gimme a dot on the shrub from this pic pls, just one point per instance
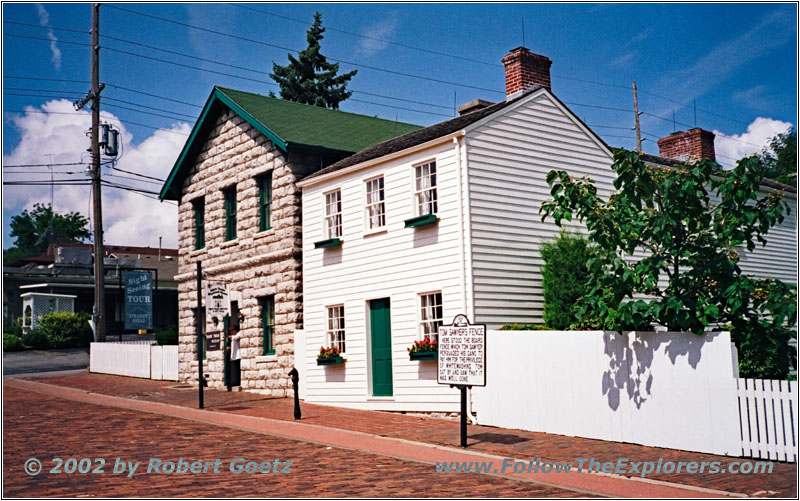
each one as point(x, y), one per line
point(526, 327)
point(67, 330)
point(13, 328)
point(36, 339)
point(564, 276)
point(12, 342)
point(168, 335)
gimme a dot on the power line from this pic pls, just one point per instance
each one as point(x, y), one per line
point(690, 126)
point(328, 28)
point(46, 27)
point(254, 71)
point(16, 77)
point(126, 122)
point(45, 165)
point(16, 35)
point(152, 95)
point(259, 42)
point(138, 174)
point(193, 117)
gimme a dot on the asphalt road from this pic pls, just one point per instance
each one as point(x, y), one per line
point(32, 361)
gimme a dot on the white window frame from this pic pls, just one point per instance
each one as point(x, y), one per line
point(428, 327)
point(332, 222)
point(335, 332)
point(426, 196)
point(379, 206)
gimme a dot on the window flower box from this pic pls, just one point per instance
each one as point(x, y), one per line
point(418, 221)
point(424, 350)
point(424, 355)
point(329, 356)
point(330, 361)
point(331, 242)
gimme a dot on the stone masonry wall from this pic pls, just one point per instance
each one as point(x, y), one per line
point(255, 264)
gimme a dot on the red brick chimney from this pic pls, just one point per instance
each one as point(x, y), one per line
point(693, 144)
point(524, 69)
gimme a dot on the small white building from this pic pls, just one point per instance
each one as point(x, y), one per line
point(408, 233)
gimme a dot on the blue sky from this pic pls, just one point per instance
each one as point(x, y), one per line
point(735, 64)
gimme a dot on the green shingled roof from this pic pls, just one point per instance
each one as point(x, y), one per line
point(288, 124)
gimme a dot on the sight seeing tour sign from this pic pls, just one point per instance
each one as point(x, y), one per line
point(462, 360)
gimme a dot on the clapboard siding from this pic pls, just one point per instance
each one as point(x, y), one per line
point(778, 259)
point(398, 263)
point(508, 159)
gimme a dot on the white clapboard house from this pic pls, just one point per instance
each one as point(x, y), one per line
point(410, 232)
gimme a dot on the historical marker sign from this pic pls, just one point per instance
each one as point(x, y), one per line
point(462, 353)
point(138, 300)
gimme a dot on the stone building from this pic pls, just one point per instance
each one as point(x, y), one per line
point(239, 216)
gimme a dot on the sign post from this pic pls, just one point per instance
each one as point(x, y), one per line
point(462, 360)
point(199, 333)
point(138, 300)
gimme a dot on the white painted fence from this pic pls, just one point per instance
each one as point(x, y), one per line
point(768, 415)
point(135, 359)
point(663, 389)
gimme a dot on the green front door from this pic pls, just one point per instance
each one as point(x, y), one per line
point(381, 331)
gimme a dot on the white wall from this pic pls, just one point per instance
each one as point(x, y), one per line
point(508, 159)
point(398, 263)
point(663, 389)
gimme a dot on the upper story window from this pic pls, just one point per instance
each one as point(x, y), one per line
point(430, 315)
point(425, 189)
point(376, 207)
point(199, 209)
point(264, 201)
point(336, 327)
point(230, 212)
point(333, 214)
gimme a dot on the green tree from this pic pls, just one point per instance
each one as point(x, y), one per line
point(668, 217)
point(34, 230)
point(779, 159)
point(310, 78)
point(564, 276)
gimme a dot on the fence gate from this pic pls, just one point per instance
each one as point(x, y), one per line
point(768, 418)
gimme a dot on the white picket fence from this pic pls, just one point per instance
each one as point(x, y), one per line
point(768, 417)
point(135, 359)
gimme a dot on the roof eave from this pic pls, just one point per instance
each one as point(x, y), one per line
point(374, 161)
point(169, 191)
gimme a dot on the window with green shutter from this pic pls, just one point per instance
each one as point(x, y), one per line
point(268, 324)
point(199, 207)
point(265, 201)
point(230, 213)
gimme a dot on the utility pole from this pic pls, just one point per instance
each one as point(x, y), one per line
point(97, 209)
point(636, 114)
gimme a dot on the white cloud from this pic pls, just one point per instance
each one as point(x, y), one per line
point(44, 18)
point(377, 34)
point(128, 218)
point(730, 148)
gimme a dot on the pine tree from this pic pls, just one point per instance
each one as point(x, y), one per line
point(310, 78)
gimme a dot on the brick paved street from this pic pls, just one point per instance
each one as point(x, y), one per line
point(41, 426)
point(508, 443)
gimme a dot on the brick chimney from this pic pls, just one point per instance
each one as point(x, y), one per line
point(693, 144)
point(524, 69)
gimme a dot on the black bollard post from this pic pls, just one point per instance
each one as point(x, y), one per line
point(463, 415)
point(296, 383)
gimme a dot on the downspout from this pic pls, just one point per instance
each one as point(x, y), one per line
point(461, 252)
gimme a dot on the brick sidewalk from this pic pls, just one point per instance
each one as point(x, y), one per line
point(508, 443)
point(42, 426)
